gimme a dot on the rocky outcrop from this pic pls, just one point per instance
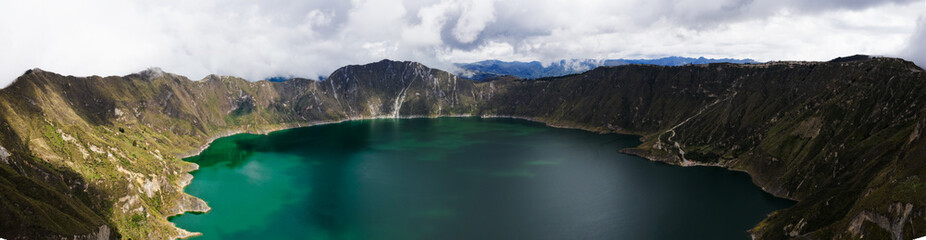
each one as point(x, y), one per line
point(188, 203)
point(102, 233)
point(893, 223)
point(4, 155)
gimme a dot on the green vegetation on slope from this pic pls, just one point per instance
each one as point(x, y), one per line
point(843, 138)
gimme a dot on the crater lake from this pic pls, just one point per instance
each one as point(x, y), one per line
point(460, 178)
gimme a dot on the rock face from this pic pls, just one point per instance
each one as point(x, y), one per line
point(4, 154)
point(844, 137)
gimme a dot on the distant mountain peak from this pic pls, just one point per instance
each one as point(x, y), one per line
point(489, 69)
point(33, 70)
point(152, 73)
point(853, 58)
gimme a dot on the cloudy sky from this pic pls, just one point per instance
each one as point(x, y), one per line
point(260, 39)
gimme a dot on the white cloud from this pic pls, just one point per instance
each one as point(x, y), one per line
point(427, 31)
point(916, 50)
point(259, 39)
point(473, 19)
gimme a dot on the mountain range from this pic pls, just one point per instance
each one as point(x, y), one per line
point(493, 69)
point(100, 157)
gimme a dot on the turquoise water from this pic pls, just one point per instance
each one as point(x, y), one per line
point(460, 178)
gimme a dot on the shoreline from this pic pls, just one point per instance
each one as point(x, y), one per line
point(180, 203)
point(187, 234)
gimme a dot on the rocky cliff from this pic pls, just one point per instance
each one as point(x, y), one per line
point(98, 156)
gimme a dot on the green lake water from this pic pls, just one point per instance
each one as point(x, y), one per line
point(460, 178)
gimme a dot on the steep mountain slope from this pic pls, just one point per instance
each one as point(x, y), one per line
point(489, 69)
point(841, 137)
point(98, 156)
point(88, 155)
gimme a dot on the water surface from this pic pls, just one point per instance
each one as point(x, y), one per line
point(460, 178)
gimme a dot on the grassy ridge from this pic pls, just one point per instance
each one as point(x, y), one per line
point(844, 138)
